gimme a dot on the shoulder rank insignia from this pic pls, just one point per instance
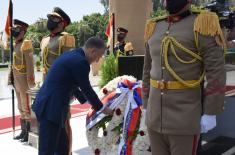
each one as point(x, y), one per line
point(150, 27)
point(67, 40)
point(207, 23)
point(26, 45)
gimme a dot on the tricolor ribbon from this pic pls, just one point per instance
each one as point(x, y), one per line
point(111, 101)
point(131, 118)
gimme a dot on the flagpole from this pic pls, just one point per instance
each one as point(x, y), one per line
point(113, 31)
point(11, 56)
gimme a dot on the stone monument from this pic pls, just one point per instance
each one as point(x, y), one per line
point(132, 15)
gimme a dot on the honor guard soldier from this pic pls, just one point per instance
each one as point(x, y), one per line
point(181, 49)
point(54, 45)
point(122, 47)
point(23, 75)
point(58, 41)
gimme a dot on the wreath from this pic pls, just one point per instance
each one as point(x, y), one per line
point(125, 132)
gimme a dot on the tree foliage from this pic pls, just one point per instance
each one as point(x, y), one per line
point(36, 32)
point(91, 25)
point(156, 4)
point(109, 70)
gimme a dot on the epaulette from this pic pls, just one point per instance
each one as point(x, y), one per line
point(150, 27)
point(128, 46)
point(26, 45)
point(207, 23)
point(67, 40)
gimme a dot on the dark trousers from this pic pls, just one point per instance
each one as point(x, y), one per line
point(53, 139)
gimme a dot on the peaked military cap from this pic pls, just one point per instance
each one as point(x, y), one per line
point(122, 30)
point(20, 23)
point(60, 13)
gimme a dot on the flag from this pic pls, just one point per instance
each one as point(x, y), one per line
point(109, 29)
point(8, 25)
point(9, 19)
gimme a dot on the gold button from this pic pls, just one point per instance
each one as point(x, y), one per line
point(163, 68)
point(162, 93)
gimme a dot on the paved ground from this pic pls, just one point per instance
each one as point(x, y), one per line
point(8, 146)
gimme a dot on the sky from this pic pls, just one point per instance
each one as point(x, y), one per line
point(31, 10)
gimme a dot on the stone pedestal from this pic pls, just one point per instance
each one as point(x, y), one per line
point(131, 65)
point(132, 15)
point(33, 134)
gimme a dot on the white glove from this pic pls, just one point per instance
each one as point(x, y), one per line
point(208, 122)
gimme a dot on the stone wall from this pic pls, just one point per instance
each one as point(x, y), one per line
point(132, 15)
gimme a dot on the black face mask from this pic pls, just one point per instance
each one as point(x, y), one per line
point(15, 33)
point(51, 25)
point(173, 7)
point(121, 37)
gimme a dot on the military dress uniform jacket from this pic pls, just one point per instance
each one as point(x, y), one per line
point(68, 76)
point(123, 49)
point(178, 110)
point(53, 47)
point(23, 66)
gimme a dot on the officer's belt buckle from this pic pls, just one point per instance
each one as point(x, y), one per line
point(162, 85)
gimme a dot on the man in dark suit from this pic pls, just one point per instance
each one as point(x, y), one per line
point(68, 76)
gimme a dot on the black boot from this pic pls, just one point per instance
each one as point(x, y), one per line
point(23, 130)
point(26, 136)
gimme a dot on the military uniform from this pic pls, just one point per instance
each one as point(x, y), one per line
point(122, 47)
point(23, 72)
point(52, 47)
point(180, 52)
point(23, 75)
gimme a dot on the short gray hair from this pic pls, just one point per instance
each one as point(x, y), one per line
point(95, 42)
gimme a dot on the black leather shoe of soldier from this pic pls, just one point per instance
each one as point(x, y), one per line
point(21, 135)
point(23, 130)
point(26, 135)
point(25, 138)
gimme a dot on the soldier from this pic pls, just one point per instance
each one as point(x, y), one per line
point(54, 45)
point(58, 41)
point(122, 47)
point(181, 49)
point(23, 75)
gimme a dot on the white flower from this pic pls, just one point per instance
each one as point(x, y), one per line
point(108, 144)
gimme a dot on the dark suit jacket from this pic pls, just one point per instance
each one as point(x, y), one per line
point(68, 76)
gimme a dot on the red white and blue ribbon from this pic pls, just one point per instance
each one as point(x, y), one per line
point(131, 117)
point(111, 101)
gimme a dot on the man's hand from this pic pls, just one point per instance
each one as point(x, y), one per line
point(107, 111)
